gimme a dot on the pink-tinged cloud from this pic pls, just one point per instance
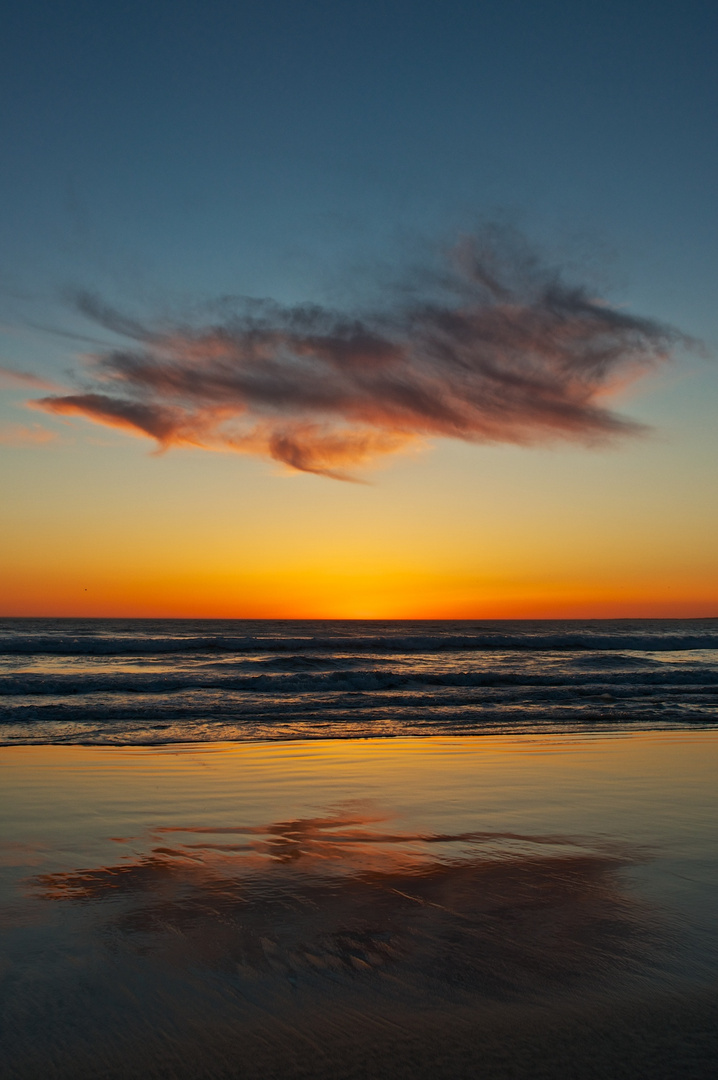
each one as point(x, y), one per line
point(12, 378)
point(21, 435)
point(502, 351)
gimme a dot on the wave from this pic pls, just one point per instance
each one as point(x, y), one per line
point(58, 723)
point(367, 680)
point(142, 645)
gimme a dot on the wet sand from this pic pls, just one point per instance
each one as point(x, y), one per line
point(476, 907)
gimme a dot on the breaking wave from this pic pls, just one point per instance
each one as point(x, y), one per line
point(124, 681)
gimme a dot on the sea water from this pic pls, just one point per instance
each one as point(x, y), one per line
point(169, 680)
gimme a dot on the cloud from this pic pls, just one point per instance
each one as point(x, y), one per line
point(21, 435)
point(10, 377)
point(494, 347)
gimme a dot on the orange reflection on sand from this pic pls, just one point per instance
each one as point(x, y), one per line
point(482, 913)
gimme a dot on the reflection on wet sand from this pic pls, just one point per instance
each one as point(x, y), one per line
point(337, 946)
point(367, 939)
point(327, 899)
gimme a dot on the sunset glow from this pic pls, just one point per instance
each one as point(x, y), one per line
point(453, 362)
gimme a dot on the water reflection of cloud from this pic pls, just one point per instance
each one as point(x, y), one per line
point(21, 853)
point(336, 898)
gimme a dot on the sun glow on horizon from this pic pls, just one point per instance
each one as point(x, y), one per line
point(351, 595)
point(456, 533)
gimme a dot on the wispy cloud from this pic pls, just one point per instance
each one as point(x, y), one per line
point(21, 435)
point(11, 377)
point(497, 347)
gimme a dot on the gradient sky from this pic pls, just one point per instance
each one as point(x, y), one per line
point(160, 157)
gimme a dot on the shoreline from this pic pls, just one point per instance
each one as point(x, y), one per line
point(518, 730)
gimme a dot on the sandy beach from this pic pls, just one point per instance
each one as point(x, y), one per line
point(486, 906)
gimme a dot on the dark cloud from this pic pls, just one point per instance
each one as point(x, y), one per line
point(497, 348)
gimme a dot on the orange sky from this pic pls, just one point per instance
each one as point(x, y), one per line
point(96, 525)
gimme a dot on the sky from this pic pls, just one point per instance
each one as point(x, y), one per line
point(379, 310)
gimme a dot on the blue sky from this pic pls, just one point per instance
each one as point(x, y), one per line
point(166, 154)
point(267, 148)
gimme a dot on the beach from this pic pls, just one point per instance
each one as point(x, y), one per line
point(358, 562)
point(490, 905)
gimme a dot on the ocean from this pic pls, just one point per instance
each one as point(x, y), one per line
point(175, 680)
point(215, 864)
